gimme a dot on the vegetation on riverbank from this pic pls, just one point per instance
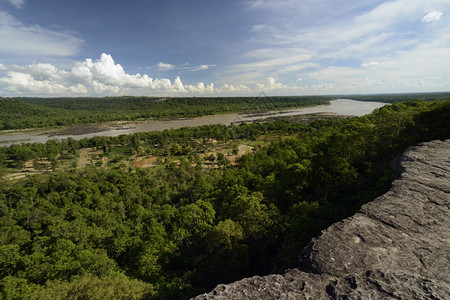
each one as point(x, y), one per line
point(19, 113)
point(177, 229)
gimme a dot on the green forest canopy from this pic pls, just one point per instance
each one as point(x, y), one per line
point(178, 230)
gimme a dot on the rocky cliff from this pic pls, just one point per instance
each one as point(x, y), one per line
point(395, 247)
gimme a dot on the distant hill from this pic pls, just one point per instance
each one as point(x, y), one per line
point(391, 98)
point(15, 113)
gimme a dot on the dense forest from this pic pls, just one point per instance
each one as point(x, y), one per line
point(20, 113)
point(112, 230)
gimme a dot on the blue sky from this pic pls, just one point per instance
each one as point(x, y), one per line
point(222, 48)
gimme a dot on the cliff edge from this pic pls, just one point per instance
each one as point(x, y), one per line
point(395, 247)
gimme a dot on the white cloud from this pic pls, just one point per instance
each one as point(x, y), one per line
point(96, 78)
point(370, 64)
point(271, 4)
point(272, 64)
point(200, 88)
point(103, 89)
point(81, 73)
point(432, 16)
point(99, 77)
point(106, 71)
point(271, 84)
point(164, 66)
point(229, 88)
point(42, 71)
point(387, 26)
point(354, 45)
point(178, 84)
point(183, 67)
point(362, 46)
point(21, 39)
point(201, 68)
point(17, 3)
point(26, 83)
point(423, 69)
point(258, 27)
point(104, 76)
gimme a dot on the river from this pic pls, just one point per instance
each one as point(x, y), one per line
point(340, 106)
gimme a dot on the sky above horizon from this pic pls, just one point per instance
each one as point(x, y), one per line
point(223, 48)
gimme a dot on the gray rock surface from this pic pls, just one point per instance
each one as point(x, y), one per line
point(395, 247)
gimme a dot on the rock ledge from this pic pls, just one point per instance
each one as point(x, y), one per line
point(395, 247)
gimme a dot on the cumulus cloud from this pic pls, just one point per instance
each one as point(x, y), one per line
point(18, 38)
point(178, 85)
point(200, 88)
point(432, 16)
point(108, 73)
point(95, 78)
point(103, 76)
point(99, 77)
point(25, 83)
point(229, 88)
point(271, 84)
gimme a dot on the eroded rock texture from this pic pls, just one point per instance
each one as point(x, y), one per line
point(395, 247)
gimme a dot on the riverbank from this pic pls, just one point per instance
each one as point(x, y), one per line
point(346, 107)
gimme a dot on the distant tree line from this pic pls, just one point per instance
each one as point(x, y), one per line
point(398, 97)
